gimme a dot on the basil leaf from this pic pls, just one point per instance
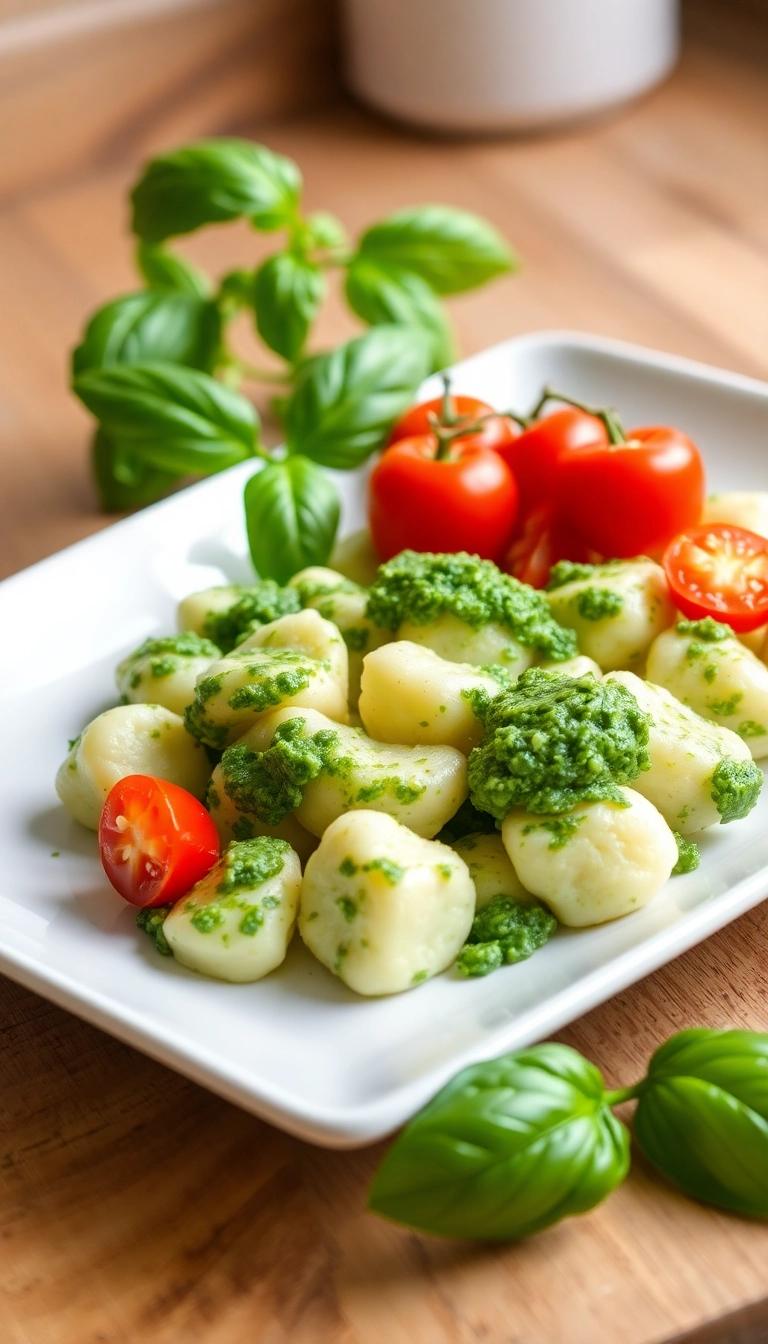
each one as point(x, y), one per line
point(165, 270)
point(176, 419)
point(380, 293)
point(291, 514)
point(122, 479)
point(702, 1117)
point(287, 293)
point(451, 249)
point(212, 181)
point(152, 325)
point(236, 290)
point(345, 401)
point(324, 230)
point(508, 1148)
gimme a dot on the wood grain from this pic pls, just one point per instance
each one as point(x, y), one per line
point(136, 1206)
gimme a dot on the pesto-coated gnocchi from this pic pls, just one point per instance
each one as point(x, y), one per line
point(295, 660)
point(410, 694)
point(195, 611)
point(330, 768)
point(686, 753)
point(597, 862)
point(343, 602)
point(616, 609)
point(458, 642)
point(232, 824)
point(382, 908)
point(703, 665)
point(165, 671)
point(237, 922)
point(128, 740)
point(574, 667)
point(490, 868)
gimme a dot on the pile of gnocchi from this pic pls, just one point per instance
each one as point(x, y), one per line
point(419, 764)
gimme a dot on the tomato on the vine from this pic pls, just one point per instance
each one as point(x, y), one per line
point(451, 496)
point(721, 571)
point(155, 839)
point(536, 454)
point(453, 412)
point(632, 495)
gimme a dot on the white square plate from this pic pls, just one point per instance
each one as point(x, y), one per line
point(298, 1048)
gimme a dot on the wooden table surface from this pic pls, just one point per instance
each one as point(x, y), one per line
point(137, 1206)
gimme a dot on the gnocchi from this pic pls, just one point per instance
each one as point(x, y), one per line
point(232, 824)
point(382, 908)
point(339, 600)
point(410, 694)
point(165, 671)
point(616, 610)
point(490, 868)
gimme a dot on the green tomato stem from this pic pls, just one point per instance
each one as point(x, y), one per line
point(608, 416)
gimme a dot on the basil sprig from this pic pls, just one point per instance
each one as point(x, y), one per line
point(513, 1145)
point(292, 512)
point(146, 361)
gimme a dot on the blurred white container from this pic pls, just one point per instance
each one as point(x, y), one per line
point(495, 65)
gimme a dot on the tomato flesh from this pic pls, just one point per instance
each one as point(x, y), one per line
point(540, 541)
point(467, 502)
point(720, 571)
point(155, 839)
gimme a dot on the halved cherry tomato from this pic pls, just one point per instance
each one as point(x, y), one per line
point(535, 454)
point(156, 840)
point(631, 498)
point(542, 540)
point(466, 501)
point(496, 432)
point(720, 571)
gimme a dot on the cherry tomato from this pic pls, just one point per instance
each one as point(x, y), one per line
point(156, 840)
point(495, 433)
point(631, 498)
point(542, 540)
point(535, 454)
point(721, 571)
point(466, 502)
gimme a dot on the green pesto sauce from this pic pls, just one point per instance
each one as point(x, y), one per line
point(445, 871)
point(398, 788)
point(688, 856)
point(562, 829)
point(599, 604)
point(270, 784)
point(421, 587)
point(711, 632)
point(505, 930)
point(736, 787)
point(264, 602)
point(466, 821)
point(249, 863)
point(356, 638)
point(348, 867)
point(553, 741)
point(391, 872)
point(243, 829)
point(151, 920)
point(749, 728)
point(419, 977)
point(348, 907)
point(212, 798)
point(275, 679)
point(710, 671)
point(725, 708)
point(310, 589)
point(166, 654)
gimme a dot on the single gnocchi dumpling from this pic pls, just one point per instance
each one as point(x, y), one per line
point(300, 760)
point(355, 557)
point(410, 694)
point(237, 922)
point(382, 908)
point(232, 824)
point(295, 660)
point(165, 671)
point(700, 773)
point(490, 868)
point(702, 664)
point(597, 862)
point(343, 602)
point(128, 740)
point(195, 611)
point(458, 642)
point(616, 609)
point(740, 508)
